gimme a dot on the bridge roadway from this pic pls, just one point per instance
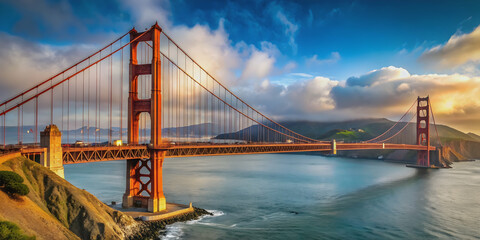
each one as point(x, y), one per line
point(72, 155)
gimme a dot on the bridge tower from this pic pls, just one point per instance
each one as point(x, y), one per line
point(51, 141)
point(141, 183)
point(423, 130)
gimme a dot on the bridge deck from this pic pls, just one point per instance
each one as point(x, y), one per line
point(72, 155)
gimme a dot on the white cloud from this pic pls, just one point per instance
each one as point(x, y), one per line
point(146, 12)
point(211, 49)
point(458, 50)
point(303, 75)
point(26, 63)
point(389, 90)
point(378, 76)
point(297, 100)
point(385, 92)
point(258, 66)
point(314, 61)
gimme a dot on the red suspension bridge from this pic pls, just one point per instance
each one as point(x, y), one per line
point(170, 107)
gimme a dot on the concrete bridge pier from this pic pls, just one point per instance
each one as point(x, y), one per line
point(51, 141)
point(436, 157)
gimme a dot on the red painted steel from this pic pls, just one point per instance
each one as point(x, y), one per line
point(153, 106)
point(207, 101)
point(423, 130)
point(72, 155)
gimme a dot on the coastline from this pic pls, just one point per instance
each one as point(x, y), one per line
point(156, 229)
point(68, 212)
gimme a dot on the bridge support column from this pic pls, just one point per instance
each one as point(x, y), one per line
point(51, 139)
point(334, 147)
point(145, 189)
point(157, 201)
point(145, 177)
point(423, 130)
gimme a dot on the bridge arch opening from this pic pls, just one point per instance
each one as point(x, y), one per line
point(422, 139)
point(144, 126)
point(422, 113)
point(423, 124)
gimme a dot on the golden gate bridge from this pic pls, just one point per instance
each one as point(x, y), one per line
point(171, 107)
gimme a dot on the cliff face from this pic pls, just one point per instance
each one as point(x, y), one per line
point(55, 209)
point(453, 150)
point(460, 150)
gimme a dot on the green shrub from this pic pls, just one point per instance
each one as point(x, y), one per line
point(16, 188)
point(9, 230)
point(12, 183)
point(9, 177)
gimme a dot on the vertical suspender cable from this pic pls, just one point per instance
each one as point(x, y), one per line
point(96, 103)
point(36, 119)
point(170, 93)
point(21, 122)
point(21, 129)
point(99, 129)
point(83, 107)
point(51, 103)
point(63, 103)
point(187, 111)
point(68, 111)
point(178, 100)
point(4, 127)
point(121, 93)
point(88, 104)
point(75, 117)
point(18, 125)
point(111, 100)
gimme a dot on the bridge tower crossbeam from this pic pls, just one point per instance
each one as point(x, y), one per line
point(138, 184)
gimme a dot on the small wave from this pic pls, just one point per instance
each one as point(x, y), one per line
point(216, 213)
point(173, 231)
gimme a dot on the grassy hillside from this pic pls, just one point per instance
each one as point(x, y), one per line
point(353, 130)
point(55, 209)
point(474, 136)
point(458, 145)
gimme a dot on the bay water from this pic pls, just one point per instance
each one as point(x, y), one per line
point(300, 196)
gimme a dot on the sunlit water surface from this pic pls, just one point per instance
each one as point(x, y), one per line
point(293, 196)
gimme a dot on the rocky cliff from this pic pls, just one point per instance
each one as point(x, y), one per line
point(55, 209)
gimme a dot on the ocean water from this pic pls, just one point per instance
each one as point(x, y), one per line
point(297, 196)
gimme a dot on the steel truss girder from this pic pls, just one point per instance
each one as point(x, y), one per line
point(109, 153)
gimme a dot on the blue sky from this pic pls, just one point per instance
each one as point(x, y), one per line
point(296, 52)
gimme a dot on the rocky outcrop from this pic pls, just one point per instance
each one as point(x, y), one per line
point(55, 209)
point(151, 230)
point(461, 150)
point(76, 210)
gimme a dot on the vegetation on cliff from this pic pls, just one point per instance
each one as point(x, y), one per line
point(9, 230)
point(12, 184)
point(458, 145)
point(55, 209)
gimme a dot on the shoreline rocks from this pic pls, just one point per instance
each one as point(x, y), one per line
point(152, 229)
